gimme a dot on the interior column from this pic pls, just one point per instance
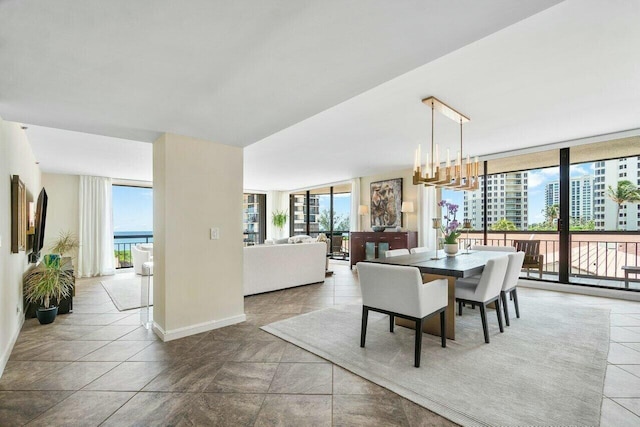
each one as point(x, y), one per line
point(197, 227)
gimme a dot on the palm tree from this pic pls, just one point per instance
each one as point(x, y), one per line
point(626, 192)
point(551, 213)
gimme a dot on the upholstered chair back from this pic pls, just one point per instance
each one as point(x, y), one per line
point(400, 289)
point(396, 252)
point(420, 250)
point(513, 271)
point(490, 283)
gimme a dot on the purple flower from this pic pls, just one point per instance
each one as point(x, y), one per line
point(441, 203)
point(453, 225)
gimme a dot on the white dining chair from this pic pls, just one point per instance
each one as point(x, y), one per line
point(399, 291)
point(419, 250)
point(396, 252)
point(484, 291)
point(511, 282)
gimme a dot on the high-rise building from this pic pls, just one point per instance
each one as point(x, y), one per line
point(507, 199)
point(580, 197)
point(607, 174)
point(298, 207)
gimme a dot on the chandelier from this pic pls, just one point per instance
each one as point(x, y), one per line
point(451, 177)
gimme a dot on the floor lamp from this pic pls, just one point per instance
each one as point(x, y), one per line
point(362, 211)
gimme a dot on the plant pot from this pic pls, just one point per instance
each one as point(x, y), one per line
point(46, 315)
point(451, 249)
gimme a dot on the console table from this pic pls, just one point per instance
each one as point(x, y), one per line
point(366, 245)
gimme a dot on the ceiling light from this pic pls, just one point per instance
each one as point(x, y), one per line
point(451, 177)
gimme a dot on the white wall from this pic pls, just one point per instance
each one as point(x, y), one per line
point(197, 281)
point(409, 194)
point(16, 158)
point(62, 209)
point(277, 201)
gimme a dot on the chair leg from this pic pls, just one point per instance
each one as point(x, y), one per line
point(418, 342)
point(443, 327)
point(503, 296)
point(483, 316)
point(391, 322)
point(459, 308)
point(499, 313)
point(363, 327)
point(514, 292)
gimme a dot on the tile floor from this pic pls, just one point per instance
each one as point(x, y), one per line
point(96, 366)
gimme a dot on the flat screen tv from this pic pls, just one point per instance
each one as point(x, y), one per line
point(41, 219)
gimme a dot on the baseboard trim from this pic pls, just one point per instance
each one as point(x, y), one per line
point(175, 334)
point(4, 358)
point(581, 290)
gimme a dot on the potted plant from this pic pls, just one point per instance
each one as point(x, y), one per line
point(45, 285)
point(450, 229)
point(279, 219)
point(67, 243)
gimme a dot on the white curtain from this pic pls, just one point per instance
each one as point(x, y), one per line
point(426, 211)
point(355, 204)
point(95, 257)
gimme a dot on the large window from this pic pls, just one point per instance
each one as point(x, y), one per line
point(582, 204)
point(323, 210)
point(254, 218)
point(132, 220)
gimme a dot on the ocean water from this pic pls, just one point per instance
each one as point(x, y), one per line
point(123, 238)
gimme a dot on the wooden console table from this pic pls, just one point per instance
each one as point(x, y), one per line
point(378, 242)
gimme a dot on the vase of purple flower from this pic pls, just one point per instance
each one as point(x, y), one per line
point(450, 227)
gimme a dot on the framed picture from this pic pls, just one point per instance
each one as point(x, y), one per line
point(385, 203)
point(18, 215)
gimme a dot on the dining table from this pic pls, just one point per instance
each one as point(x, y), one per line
point(441, 266)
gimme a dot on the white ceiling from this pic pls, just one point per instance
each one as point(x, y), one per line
point(313, 82)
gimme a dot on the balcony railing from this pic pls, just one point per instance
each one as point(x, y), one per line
point(122, 247)
point(595, 255)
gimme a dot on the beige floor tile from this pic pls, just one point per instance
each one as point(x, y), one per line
point(302, 378)
point(19, 407)
point(615, 415)
point(83, 408)
point(620, 383)
point(236, 377)
point(621, 354)
point(294, 411)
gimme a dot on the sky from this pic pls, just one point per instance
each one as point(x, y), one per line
point(341, 204)
point(132, 209)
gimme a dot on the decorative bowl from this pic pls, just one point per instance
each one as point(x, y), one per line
point(377, 228)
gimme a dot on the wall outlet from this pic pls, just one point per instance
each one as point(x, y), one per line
point(215, 233)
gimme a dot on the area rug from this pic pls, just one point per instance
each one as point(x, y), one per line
point(126, 293)
point(547, 368)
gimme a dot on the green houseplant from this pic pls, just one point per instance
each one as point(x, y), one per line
point(279, 219)
point(67, 243)
point(45, 285)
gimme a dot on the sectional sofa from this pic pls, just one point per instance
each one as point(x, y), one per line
point(272, 267)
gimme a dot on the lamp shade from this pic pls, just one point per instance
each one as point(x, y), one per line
point(363, 210)
point(407, 207)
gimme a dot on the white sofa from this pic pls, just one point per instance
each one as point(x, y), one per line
point(272, 267)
